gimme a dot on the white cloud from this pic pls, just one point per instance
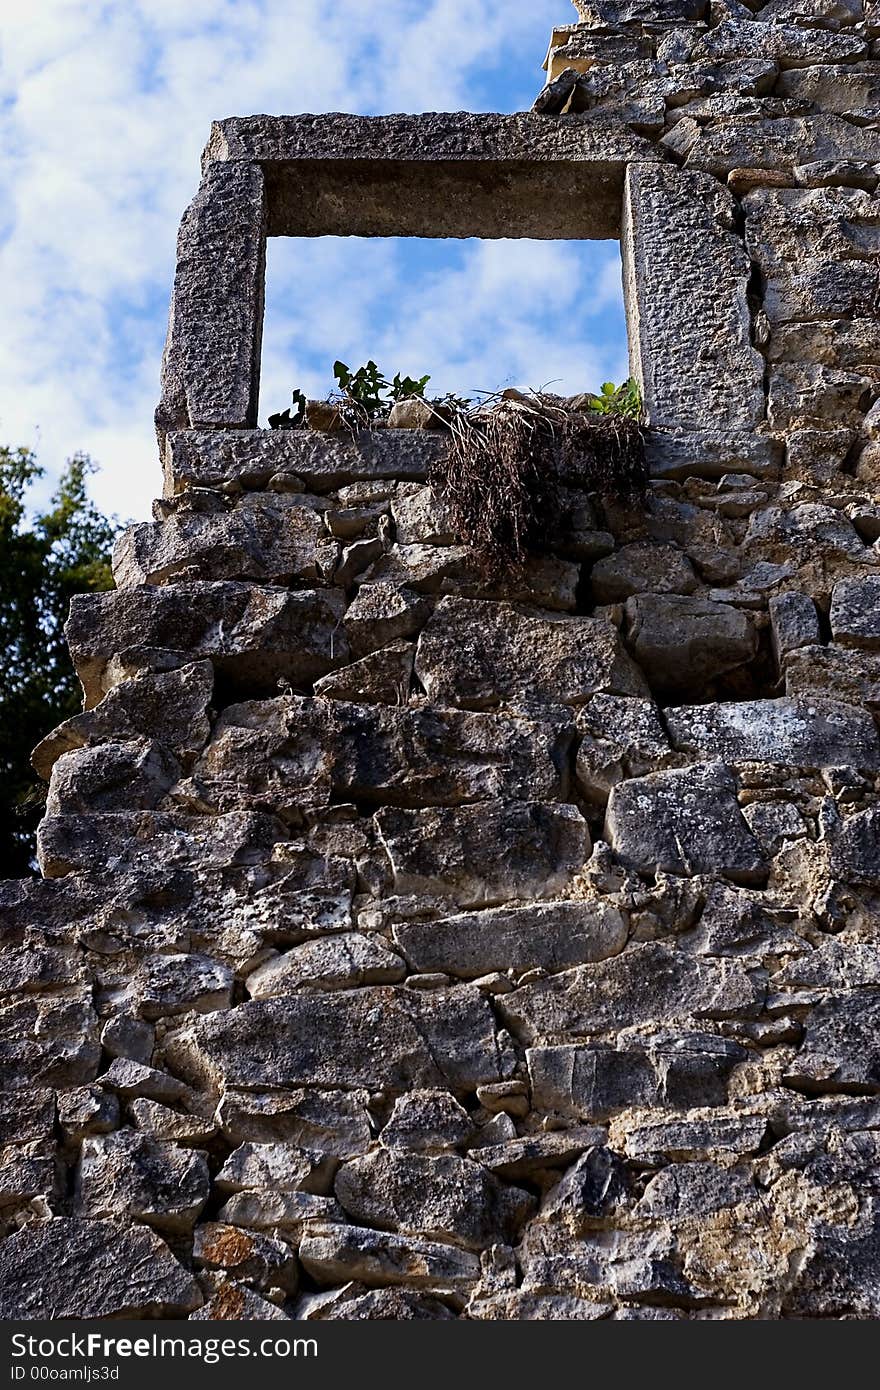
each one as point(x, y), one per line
point(476, 315)
point(104, 109)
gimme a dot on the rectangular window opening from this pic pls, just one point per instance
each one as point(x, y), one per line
point(476, 315)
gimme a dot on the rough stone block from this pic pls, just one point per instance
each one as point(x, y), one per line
point(552, 936)
point(834, 673)
point(91, 1269)
point(436, 1197)
point(710, 454)
point(269, 544)
point(595, 1082)
point(485, 854)
point(375, 1258)
point(251, 634)
point(312, 1039)
point(343, 961)
point(685, 821)
point(542, 580)
point(806, 733)
point(855, 613)
point(291, 753)
point(738, 142)
point(685, 278)
point(649, 983)
point(170, 706)
point(856, 854)
point(211, 366)
point(682, 641)
point(642, 567)
point(794, 623)
point(127, 1174)
point(477, 655)
point(840, 1051)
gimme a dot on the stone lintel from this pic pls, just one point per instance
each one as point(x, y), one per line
point(448, 174)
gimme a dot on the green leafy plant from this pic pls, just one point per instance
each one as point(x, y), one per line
point(625, 400)
point(45, 558)
point(294, 417)
point(363, 395)
point(404, 387)
point(369, 389)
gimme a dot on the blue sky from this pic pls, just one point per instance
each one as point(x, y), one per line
point(104, 108)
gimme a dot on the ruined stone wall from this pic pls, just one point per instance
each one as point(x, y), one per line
point(411, 945)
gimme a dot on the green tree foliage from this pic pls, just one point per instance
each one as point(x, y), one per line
point(44, 560)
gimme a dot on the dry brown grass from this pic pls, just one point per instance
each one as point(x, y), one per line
point(509, 465)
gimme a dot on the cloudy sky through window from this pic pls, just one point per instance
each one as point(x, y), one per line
point(104, 108)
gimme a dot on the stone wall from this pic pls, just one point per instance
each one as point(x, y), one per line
point(415, 945)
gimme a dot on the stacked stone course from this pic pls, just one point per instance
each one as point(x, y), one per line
point(413, 944)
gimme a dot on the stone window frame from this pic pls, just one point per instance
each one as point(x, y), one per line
point(685, 266)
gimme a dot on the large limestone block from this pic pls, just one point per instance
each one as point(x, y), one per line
point(297, 460)
point(855, 613)
point(552, 936)
point(251, 633)
point(807, 733)
point(682, 641)
point(593, 1082)
point(130, 1175)
point(490, 853)
point(290, 753)
point(91, 1269)
point(382, 1038)
point(438, 1197)
point(649, 983)
point(741, 142)
point(841, 1047)
point(271, 545)
point(211, 365)
point(542, 580)
point(684, 821)
point(834, 673)
point(340, 1253)
point(685, 277)
point(170, 706)
point(478, 654)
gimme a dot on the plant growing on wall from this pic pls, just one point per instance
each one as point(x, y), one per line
point(507, 467)
point(363, 396)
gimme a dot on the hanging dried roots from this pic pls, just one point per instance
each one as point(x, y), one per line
point(509, 469)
